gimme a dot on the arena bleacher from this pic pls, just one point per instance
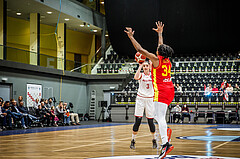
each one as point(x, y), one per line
point(192, 73)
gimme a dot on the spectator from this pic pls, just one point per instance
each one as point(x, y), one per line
point(16, 112)
point(66, 115)
point(20, 99)
point(207, 93)
point(224, 83)
point(28, 118)
point(221, 93)
point(24, 112)
point(47, 104)
point(229, 90)
point(36, 104)
point(185, 113)
point(215, 89)
point(6, 109)
point(208, 90)
point(74, 117)
point(53, 114)
point(60, 111)
point(43, 114)
point(236, 88)
point(3, 115)
point(177, 113)
point(179, 88)
point(42, 100)
point(214, 93)
point(50, 102)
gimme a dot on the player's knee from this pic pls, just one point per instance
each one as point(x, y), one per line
point(151, 125)
point(137, 123)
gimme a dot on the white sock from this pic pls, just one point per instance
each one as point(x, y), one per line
point(133, 136)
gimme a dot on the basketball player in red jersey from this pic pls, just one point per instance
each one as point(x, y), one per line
point(162, 84)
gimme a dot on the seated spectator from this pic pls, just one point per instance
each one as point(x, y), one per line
point(47, 104)
point(177, 113)
point(74, 117)
point(66, 115)
point(42, 100)
point(60, 111)
point(16, 112)
point(3, 115)
point(53, 114)
point(50, 102)
point(28, 118)
point(43, 114)
point(185, 113)
point(236, 88)
point(229, 90)
point(36, 103)
point(20, 99)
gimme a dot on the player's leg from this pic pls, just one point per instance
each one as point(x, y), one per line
point(139, 108)
point(150, 116)
point(161, 109)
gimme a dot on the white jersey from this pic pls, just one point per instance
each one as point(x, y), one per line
point(145, 86)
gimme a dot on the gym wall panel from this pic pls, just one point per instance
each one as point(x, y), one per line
point(72, 91)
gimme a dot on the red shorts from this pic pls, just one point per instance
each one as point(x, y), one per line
point(164, 95)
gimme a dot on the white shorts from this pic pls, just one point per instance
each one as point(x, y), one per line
point(144, 103)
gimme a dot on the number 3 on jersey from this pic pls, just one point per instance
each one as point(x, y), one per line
point(166, 70)
point(147, 86)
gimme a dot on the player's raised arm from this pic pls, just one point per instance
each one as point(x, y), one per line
point(139, 48)
point(159, 30)
point(137, 75)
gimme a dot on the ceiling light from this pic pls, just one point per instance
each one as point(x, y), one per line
point(106, 35)
point(102, 2)
point(49, 12)
point(66, 19)
point(94, 30)
point(82, 25)
point(19, 13)
point(88, 25)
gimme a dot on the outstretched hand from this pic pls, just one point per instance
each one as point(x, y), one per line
point(159, 28)
point(129, 32)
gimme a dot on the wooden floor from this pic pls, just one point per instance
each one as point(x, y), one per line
point(112, 141)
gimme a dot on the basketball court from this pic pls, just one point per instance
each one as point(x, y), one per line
point(112, 140)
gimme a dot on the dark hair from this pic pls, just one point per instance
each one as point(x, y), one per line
point(6, 103)
point(165, 51)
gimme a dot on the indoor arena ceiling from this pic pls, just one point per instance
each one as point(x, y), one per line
point(25, 7)
point(191, 27)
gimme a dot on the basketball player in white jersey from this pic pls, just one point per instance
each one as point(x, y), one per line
point(144, 100)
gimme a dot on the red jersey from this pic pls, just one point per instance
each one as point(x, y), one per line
point(162, 83)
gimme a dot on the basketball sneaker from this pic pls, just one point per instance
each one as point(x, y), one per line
point(154, 144)
point(169, 133)
point(132, 146)
point(166, 148)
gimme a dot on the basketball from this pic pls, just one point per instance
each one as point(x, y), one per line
point(140, 58)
